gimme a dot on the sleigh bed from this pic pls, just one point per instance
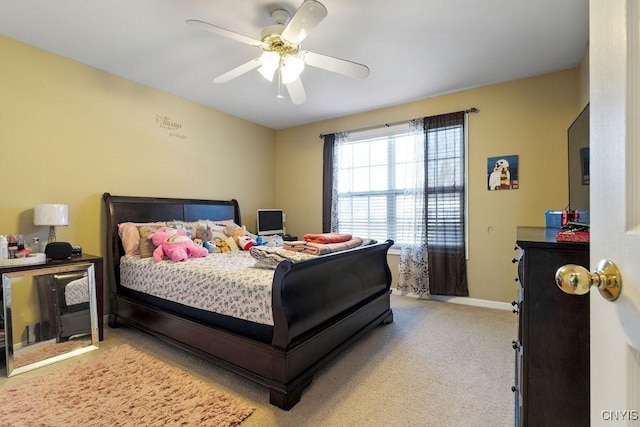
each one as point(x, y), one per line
point(318, 306)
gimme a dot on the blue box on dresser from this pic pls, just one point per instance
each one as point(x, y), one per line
point(553, 218)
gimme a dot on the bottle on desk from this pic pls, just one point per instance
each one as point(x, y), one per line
point(4, 247)
point(34, 246)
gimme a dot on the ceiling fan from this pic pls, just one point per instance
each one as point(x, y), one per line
point(282, 56)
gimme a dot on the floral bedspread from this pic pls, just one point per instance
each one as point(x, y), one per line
point(225, 283)
point(77, 291)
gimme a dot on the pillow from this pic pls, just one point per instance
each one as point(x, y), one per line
point(218, 235)
point(130, 236)
point(223, 223)
point(190, 226)
point(146, 246)
point(187, 226)
point(219, 225)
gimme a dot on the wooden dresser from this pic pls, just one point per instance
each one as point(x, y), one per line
point(552, 349)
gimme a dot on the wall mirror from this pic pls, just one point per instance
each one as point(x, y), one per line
point(50, 315)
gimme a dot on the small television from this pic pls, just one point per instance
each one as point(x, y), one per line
point(578, 152)
point(270, 221)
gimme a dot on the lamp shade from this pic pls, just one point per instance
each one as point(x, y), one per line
point(270, 62)
point(51, 214)
point(292, 66)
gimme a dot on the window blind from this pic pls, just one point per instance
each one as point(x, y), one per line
point(375, 192)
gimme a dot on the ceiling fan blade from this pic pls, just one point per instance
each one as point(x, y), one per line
point(238, 71)
point(336, 65)
point(306, 18)
point(201, 25)
point(296, 91)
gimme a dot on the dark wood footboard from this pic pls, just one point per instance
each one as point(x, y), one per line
point(308, 295)
point(320, 306)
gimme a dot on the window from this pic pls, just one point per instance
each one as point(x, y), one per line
point(370, 183)
point(445, 185)
point(379, 183)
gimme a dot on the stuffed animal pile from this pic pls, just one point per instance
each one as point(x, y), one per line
point(227, 239)
point(175, 244)
point(178, 242)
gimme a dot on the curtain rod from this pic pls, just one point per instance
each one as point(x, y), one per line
point(467, 111)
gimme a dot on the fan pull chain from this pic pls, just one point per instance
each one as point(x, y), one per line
point(280, 96)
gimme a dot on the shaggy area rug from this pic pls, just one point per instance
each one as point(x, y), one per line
point(121, 386)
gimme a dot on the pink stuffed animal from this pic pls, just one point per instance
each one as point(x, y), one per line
point(175, 244)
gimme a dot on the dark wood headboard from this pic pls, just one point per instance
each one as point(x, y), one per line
point(149, 209)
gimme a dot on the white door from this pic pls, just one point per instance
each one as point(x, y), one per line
point(615, 208)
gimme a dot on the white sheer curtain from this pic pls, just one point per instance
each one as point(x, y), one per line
point(413, 273)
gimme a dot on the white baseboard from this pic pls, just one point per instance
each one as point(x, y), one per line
point(464, 301)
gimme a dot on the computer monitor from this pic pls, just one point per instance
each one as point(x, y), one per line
point(270, 221)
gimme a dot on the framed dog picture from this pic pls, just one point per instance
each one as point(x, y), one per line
point(502, 173)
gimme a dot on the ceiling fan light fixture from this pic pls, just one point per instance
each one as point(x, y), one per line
point(280, 44)
point(270, 62)
point(291, 68)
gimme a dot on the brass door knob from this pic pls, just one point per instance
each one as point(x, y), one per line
point(576, 280)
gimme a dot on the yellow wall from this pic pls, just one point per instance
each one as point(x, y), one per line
point(528, 117)
point(69, 132)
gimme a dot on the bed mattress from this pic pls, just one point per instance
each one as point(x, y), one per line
point(223, 283)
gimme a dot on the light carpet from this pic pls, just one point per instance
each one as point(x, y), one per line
point(121, 386)
point(437, 365)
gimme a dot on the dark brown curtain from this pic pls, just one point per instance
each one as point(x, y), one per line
point(445, 191)
point(327, 181)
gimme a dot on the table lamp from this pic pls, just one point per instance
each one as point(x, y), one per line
point(51, 215)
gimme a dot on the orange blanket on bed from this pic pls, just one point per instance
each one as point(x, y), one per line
point(325, 238)
point(313, 248)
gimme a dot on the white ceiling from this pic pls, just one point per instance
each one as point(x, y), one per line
point(415, 48)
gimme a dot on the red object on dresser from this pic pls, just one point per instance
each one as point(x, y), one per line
point(572, 236)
